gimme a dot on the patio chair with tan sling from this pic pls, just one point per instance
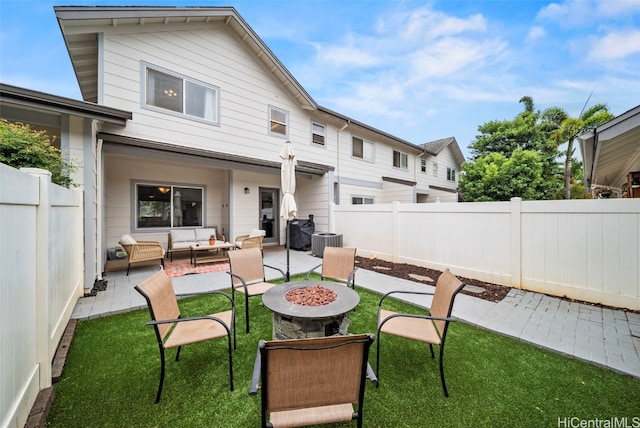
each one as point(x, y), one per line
point(246, 268)
point(338, 263)
point(431, 328)
point(312, 381)
point(172, 331)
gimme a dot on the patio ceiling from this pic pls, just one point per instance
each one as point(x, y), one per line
point(612, 150)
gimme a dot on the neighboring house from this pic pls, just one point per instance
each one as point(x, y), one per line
point(185, 112)
point(442, 169)
point(611, 155)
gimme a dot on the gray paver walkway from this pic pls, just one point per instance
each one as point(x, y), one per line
point(602, 336)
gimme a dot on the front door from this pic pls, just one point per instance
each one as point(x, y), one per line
point(268, 215)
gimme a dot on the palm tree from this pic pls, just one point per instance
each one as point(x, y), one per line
point(571, 127)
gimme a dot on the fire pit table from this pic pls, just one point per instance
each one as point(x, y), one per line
point(299, 321)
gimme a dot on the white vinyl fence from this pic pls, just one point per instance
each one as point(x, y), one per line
point(40, 282)
point(583, 249)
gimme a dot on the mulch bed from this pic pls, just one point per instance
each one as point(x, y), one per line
point(492, 292)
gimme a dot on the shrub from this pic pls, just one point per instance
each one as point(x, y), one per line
point(23, 147)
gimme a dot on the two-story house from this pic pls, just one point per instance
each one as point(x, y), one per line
point(203, 108)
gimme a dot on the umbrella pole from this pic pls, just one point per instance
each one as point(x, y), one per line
point(287, 277)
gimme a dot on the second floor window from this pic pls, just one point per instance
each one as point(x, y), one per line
point(361, 200)
point(435, 169)
point(423, 165)
point(317, 133)
point(278, 121)
point(181, 95)
point(400, 160)
point(451, 174)
point(361, 148)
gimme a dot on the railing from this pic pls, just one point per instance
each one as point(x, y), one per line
point(583, 249)
point(41, 280)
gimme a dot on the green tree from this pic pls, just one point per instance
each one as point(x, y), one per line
point(570, 128)
point(495, 177)
point(526, 134)
point(23, 147)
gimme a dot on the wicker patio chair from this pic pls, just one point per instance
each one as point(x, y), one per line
point(141, 251)
point(246, 268)
point(172, 331)
point(431, 328)
point(338, 263)
point(312, 381)
point(252, 240)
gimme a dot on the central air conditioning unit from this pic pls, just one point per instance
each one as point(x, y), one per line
point(321, 240)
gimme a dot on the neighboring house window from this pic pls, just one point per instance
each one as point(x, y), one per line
point(160, 205)
point(423, 165)
point(278, 121)
point(361, 148)
point(318, 133)
point(361, 200)
point(435, 169)
point(400, 160)
point(181, 95)
point(451, 174)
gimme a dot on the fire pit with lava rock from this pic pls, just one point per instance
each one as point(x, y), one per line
point(316, 295)
point(304, 309)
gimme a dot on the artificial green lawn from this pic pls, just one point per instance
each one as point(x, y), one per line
point(111, 377)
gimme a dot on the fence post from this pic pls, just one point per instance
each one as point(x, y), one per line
point(43, 341)
point(516, 242)
point(395, 232)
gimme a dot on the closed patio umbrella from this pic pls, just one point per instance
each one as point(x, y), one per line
point(288, 209)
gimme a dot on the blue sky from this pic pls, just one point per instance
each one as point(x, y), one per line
point(418, 70)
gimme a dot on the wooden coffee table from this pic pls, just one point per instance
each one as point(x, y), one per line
point(210, 253)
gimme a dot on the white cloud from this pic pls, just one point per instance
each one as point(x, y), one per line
point(336, 56)
point(453, 55)
point(580, 12)
point(613, 8)
point(616, 45)
point(425, 23)
point(535, 33)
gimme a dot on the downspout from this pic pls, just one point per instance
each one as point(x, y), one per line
point(338, 153)
point(329, 225)
point(415, 174)
point(99, 185)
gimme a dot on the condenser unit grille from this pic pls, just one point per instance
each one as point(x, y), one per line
point(321, 240)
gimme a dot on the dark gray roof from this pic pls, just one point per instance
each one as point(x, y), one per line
point(438, 145)
point(27, 97)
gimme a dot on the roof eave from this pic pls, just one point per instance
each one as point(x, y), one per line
point(229, 14)
point(36, 99)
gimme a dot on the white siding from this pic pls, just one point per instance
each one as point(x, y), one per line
point(120, 170)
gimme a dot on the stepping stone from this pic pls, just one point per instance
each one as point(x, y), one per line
point(420, 277)
point(473, 289)
point(381, 268)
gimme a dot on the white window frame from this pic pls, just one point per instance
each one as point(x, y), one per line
point(434, 165)
point(423, 165)
point(276, 123)
point(368, 149)
point(212, 116)
point(363, 200)
point(402, 160)
point(167, 195)
point(318, 134)
point(451, 174)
